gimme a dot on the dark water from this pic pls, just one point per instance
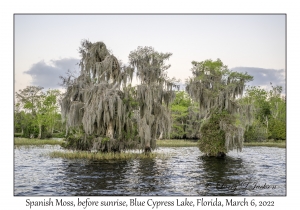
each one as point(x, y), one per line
point(255, 171)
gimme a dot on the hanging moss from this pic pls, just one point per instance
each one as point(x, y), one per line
point(111, 114)
point(94, 101)
point(154, 94)
point(216, 89)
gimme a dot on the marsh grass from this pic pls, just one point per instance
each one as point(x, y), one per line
point(189, 143)
point(105, 156)
point(36, 142)
point(280, 144)
point(159, 143)
point(176, 143)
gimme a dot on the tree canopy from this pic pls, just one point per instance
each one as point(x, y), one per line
point(154, 94)
point(185, 117)
point(94, 101)
point(113, 114)
point(269, 114)
point(224, 120)
point(103, 111)
point(36, 112)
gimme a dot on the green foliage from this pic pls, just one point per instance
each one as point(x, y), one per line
point(36, 112)
point(77, 140)
point(24, 124)
point(269, 112)
point(256, 132)
point(277, 129)
point(185, 117)
point(212, 141)
point(18, 134)
point(182, 99)
point(193, 122)
point(180, 115)
point(59, 135)
point(29, 97)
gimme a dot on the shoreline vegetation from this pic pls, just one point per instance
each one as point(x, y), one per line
point(37, 142)
point(279, 143)
point(194, 143)
point(105, 156)
point(159, 143)
point(128, 155)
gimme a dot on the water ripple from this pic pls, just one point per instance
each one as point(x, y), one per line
point(255, 171)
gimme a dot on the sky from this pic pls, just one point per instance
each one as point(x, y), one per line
point(46, 46)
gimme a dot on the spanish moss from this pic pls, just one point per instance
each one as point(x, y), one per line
point(217, 90)
point(154, 94)
point(95, 102)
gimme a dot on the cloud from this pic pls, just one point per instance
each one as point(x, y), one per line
point(263, 77)
point(47, 74)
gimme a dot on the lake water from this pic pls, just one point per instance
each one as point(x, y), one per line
point(256, 171)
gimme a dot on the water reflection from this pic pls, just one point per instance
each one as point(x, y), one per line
point(94, 177)
point(223, 176)
point(144, 177)
point(185, 172)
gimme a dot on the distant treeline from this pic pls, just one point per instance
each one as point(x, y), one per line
point(269, 115)
point(37, 115)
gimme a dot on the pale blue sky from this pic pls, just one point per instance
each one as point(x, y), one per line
point(42, 41)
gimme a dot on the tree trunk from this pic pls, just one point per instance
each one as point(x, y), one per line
point(148, 138)
point(67, 130)
point(161, 135)
point(267, 120)
point(110, 131)
point(40, 131)
point(147, 149)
